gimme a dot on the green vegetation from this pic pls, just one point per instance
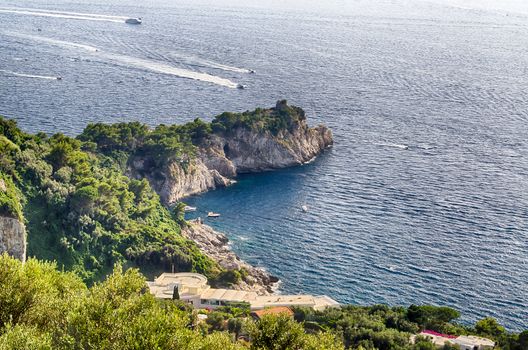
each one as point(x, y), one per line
point(84, 213)
point(178, 142)
point(282, 117)
point(42, 308)
point(385, 328)
point(9, 199)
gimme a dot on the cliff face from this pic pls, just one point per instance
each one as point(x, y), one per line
point(175, 180)
point(250, 151)
point(241, 149)
point(12, 233)
point(12, 238)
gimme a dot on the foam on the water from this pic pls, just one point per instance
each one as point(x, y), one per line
point(196, 61)
point(61, 14)
point(23, 75)
point(129, 61)
point(164, 68)
point(55, 42)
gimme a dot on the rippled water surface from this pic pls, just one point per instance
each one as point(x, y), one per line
point(424, 197)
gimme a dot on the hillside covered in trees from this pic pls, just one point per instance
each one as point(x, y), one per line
point(83, 212)
point(42, 308)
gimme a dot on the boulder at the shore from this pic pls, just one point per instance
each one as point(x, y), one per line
point(215, 245)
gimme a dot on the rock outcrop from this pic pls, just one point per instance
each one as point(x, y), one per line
point(215, 245)
point(175, 180)
point(240, 149)
point(12, 238)
point(12, 233)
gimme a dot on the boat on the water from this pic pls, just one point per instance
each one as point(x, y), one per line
point(189, 208)
point(133, 20)
point(304, 208)
point(241, 87)
point(212, 214)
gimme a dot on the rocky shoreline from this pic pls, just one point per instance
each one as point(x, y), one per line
point(215, 245)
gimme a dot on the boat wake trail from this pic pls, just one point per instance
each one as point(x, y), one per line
point(22, 75)
point(199, 62)
point(393, 145)
point(63, 14)
point(54, 42)
point(163, 68)
point(128, 61)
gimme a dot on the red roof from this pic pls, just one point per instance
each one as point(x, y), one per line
point(440, 334)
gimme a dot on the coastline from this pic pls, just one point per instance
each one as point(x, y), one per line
point(216, 245)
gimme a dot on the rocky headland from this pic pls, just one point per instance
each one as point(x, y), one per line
point(113, 194)
point(263, 140)
point(259, 141)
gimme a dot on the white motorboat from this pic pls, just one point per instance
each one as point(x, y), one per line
point(304, 208)
point(133, 20)
point(212, 214)
point(189, 208)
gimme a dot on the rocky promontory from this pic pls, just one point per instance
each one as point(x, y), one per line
point(261, 140)
point(182, 160)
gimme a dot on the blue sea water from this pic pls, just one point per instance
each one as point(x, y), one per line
point(423, 198)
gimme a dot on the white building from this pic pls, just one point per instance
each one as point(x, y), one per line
point(464, 342)
point(193, 288)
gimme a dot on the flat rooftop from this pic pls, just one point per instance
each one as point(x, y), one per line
point(228, 295)
point(189, 279)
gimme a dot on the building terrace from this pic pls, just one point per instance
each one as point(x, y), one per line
point(193, 289)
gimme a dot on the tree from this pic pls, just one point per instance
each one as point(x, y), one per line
point(235, 325)
point(280, 332)
point(176, 293)
point(490, 327)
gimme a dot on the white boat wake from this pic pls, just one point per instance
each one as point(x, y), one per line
point(128, 61)
point(63, 14)
point(393, 145)
point(23, 75)
point(193, 60)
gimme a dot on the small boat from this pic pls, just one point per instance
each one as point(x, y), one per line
point(133, 20)
point(59, 78)
point(251, 71)
point(304, 208)
point(189, 208)
point(240, 86)
point(212, 215)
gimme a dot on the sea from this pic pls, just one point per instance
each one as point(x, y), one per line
point(423, 198)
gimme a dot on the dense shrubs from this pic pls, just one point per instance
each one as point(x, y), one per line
point(9, 199)
point(282, 117)
point(84, 213)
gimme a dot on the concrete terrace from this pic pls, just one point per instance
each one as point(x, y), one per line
point(193, 289)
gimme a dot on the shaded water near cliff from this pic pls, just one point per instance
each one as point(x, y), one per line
point(424, 197)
